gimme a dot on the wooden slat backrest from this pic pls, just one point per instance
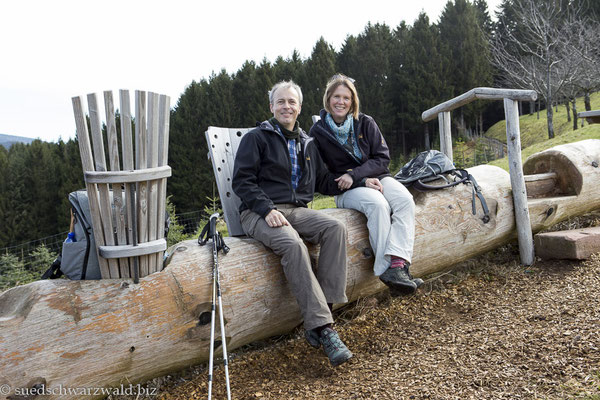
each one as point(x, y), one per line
point(223, 144)
point(147, 172)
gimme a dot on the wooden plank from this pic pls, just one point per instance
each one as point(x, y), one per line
point(592, 117)
point(517, 181)
point(479, 93)
point(128, 176)
point(115, 165)
point(141, 161)
point(444, 120)
point(129, 250)
point(236, 135)
point(127, 151)
point(163, 155)
point(152, 162)
point(221, 151)
point(103, 189)
point(85, 151)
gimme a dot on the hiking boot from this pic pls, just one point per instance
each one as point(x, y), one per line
point(399, 281)
point(312, 337)
point(334, 348)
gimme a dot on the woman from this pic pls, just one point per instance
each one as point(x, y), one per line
point(352, 144)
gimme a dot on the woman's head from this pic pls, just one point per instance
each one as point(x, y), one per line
point(341, 98)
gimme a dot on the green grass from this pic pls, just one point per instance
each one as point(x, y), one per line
point(587, 132)
point(534, 131)
point(320, 202)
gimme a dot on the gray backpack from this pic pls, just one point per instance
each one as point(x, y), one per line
point(433, 170)
point(78, 259)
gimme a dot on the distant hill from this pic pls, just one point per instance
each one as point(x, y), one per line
point(9, 140)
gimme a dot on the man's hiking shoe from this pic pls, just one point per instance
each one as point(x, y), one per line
point(399, 281)
point(312, 337)
point(336, 350)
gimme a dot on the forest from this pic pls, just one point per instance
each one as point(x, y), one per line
point(399, 71)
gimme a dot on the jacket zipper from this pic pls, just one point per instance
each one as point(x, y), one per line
point(332, 139)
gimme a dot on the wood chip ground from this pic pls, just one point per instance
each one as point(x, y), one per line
point(490, 329)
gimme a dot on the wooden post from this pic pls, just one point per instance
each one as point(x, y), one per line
point(517, 181)
point(445, 134)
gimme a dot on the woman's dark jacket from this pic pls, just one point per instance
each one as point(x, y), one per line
point(375, 153)
point(262, 171)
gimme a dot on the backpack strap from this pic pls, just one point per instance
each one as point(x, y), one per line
point(54, 271)
point(477, 192)
point(423, 184)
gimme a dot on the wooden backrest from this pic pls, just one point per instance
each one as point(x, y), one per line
point(222, 147)
point(137, 176)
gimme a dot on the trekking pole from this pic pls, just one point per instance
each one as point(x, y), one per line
point(132, 207)
point(218, 244)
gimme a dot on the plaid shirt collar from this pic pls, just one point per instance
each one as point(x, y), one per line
point(293, 151)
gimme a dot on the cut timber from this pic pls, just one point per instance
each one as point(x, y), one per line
point(576, 244)
point(108, 332)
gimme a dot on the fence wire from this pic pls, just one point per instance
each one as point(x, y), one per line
point(23, 251)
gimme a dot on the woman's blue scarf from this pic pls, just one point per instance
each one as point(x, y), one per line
point(345, 133)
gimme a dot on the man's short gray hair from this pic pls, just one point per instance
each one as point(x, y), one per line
point(285, 85)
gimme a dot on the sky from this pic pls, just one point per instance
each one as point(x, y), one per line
point(53, 50)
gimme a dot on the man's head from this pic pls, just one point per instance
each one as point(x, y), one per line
point(285, 100)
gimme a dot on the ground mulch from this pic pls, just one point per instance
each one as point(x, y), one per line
point(490, 329)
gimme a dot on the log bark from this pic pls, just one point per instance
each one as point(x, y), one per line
point(92, 334)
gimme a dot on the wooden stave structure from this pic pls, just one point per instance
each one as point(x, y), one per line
point(108, 332)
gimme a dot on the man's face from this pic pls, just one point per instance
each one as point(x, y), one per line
point(286, 107)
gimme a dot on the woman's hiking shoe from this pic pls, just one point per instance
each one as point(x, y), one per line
point(312, 337)
point(334, 348)
point(399, 281)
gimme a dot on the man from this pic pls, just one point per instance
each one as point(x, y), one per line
point(277, 169)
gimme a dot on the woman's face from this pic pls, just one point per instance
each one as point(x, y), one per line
point(340, 103)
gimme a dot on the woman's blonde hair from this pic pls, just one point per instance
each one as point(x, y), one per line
point(332, 85)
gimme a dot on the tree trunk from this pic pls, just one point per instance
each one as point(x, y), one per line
point(568, 107)
point(100, 334)
point(587, 102)
point(538, 109)
point(531, 107)
point(549, 114)
point(426, 136)
point(574, 102)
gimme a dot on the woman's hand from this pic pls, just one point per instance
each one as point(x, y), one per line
point(344, 182)
point(374, 183)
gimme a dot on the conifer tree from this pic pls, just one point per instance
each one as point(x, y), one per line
point(318, 69)
point(467, 54)
point(192, 175)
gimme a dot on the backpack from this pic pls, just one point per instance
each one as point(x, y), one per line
point(433, 170)
point(79, 259)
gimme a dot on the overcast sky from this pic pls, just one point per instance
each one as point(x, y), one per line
point(52, 50)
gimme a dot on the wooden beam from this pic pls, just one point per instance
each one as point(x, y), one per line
point(517, 182)
point(479, 93)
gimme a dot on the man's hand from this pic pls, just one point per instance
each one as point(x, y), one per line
point(276, 219)
point(344, 182)
point(374, 183)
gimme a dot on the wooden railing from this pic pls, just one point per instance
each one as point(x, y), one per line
point(513, 141)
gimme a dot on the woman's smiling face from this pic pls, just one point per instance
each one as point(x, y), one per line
point(340, 103)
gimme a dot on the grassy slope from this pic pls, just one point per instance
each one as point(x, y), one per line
point(534, 132)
